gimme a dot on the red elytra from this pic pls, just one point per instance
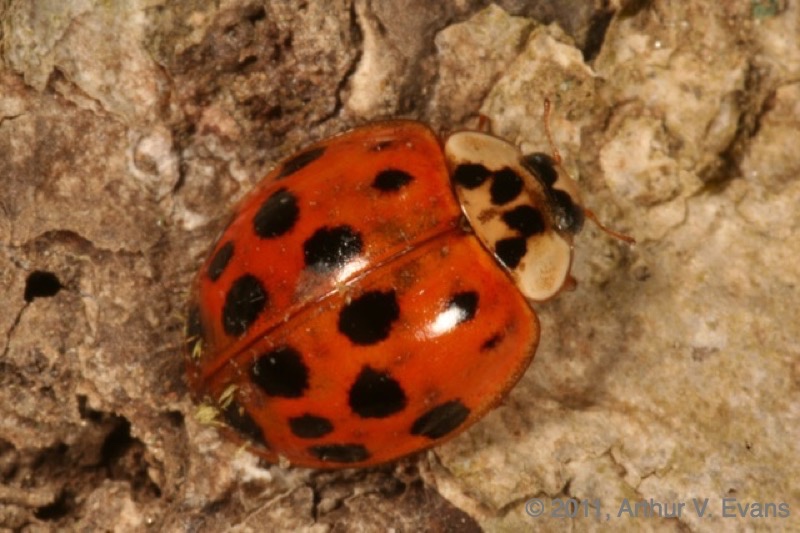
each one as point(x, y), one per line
point(371, 297)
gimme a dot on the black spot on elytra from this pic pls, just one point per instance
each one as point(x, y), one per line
point(310, 426)
point(299, 161)
point(240, 420)
point(331, 248)
point(391, 180)
point(368, 319)
point(525, 219)
point(466, 303)
point(510, 251)
point(470, 175)
point(376, 394)
point(277, 215)
point(491, 342)
point(543, 167)
point(41, 284)
point(246, 299)
point(340, 453)
point(281, 372)
point(220, 260)
point(567, 215)
point(441, 420)
point(506, 186)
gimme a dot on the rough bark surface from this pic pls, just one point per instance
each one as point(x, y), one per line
point(672, 372)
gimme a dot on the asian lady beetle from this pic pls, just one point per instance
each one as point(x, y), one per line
point(371, 297)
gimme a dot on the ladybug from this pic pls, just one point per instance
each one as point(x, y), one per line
point(371, 297)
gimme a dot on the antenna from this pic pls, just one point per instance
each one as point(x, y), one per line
point(557, 159)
